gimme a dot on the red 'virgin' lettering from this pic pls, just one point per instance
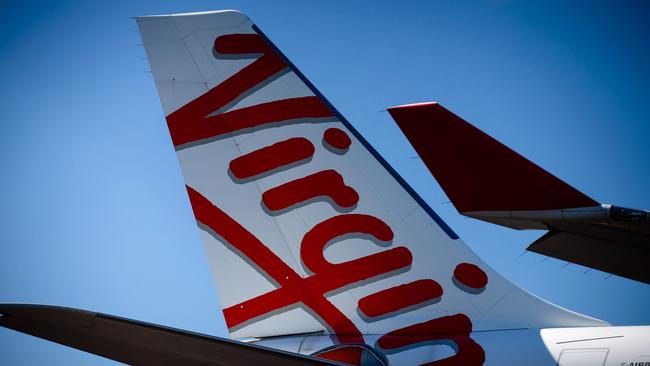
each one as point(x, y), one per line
point(337, 138)
point(191, 122)
point(454, 328)
point(293, 288)
point(400, 297)
point(272, 157)
point(315, 241)
point(471, 276)
point(326, 183)
point(204, 118)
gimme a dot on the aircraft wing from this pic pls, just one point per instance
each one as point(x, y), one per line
point(486, 180)
point(138, 343)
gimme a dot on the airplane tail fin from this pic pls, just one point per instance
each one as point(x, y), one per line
point(306, 226)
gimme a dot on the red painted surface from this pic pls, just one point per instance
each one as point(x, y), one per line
point(337, 138)
point(399, 297)
point(326, 183)
point(315, 241)
point(477, 172)
point(242, 44)
point(471, 276)
point(454, 328)
point(272, 157)
point(293, 288)
point(347, 355)
point(190, 122)
point(261, 115)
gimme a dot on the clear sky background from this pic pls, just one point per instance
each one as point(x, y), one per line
point(93, 213)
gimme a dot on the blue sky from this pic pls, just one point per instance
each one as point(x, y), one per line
point(94, 214)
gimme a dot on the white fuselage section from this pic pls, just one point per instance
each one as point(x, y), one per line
point(580, 346)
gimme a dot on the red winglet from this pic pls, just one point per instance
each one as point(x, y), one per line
point(477, 172)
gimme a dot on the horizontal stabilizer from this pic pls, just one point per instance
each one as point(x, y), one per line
point(630, 261)
point(139, 343)
point(477, 172)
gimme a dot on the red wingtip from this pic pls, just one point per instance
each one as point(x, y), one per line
point(477, 172)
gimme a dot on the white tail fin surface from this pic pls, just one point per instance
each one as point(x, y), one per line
point(306, 227)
